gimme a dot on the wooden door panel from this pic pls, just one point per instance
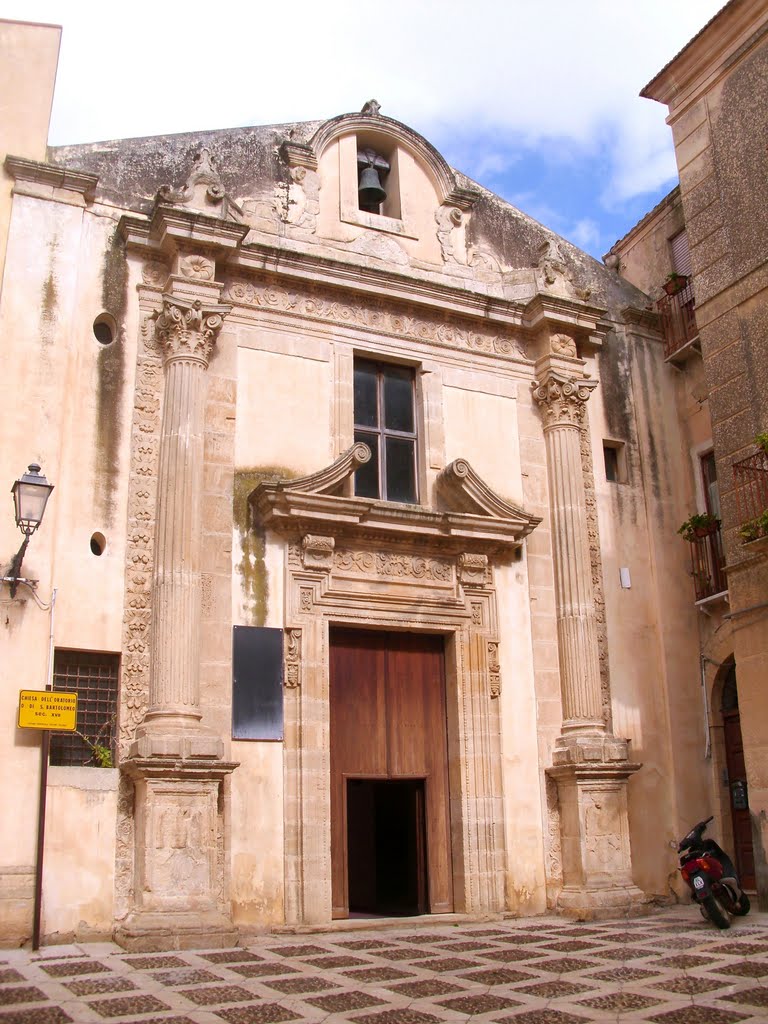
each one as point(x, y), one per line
point(399, 732)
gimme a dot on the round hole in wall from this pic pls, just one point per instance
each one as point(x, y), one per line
point(104, 329)
point(98, 543)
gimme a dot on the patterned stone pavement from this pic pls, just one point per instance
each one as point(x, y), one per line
point(669, 968)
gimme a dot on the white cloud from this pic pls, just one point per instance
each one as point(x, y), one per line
point(505, 72)
point(585, 233)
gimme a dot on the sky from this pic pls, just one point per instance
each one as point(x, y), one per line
point(536, 100)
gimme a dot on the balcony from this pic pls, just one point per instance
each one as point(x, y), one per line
point(707, 562)
point(678, 323)
point(750, 479)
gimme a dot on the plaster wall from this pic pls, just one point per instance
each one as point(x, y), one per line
point(645, 253)
point(29, 55)
point(79, 875)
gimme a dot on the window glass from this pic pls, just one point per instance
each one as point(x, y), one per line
point(398, 399)
point(366, 403)
point(401, 470)
point(367, 476)
point(611, 464)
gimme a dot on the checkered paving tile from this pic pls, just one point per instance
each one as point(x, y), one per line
point(670, 968)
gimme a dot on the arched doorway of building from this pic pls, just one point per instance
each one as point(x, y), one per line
point(737, 781)
point(390, 828)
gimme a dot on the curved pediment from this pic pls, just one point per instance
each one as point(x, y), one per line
point(473, 516)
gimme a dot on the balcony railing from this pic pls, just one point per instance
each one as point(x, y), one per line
point(707, 562)
point(678, 321)
point(750, 479)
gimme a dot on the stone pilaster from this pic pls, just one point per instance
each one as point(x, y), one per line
point(591, 766)
point(176, 764)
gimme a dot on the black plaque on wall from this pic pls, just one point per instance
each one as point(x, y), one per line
point(257, 683)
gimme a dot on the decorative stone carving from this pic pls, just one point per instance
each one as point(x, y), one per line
point(154, 274)
point(372, 108)
point(199, 268)
point(293, 658)
point(554, 276)
point(317, 552)
point(460, 485)
point(448, 219)
point(563, 345)
point(494, 669)
point(562, 398)
point(204, 190)
point(188, 329)
point(474, 570)
point(383, 317)
point(393, 565)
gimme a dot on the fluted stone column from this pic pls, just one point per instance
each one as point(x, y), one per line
point(186, 329)
point(590, 765)
point(177, 766)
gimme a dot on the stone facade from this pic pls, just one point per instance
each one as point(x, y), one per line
point(208, 469)
point(715, 90)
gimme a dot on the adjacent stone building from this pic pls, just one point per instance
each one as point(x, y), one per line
point(362, 553)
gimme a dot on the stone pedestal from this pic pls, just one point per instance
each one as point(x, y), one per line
point(590, 766)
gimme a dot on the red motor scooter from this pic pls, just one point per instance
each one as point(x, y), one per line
point(711, 875)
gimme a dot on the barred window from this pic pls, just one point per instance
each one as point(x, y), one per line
point(93, 676)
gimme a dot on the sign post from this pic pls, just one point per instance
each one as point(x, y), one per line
point(45, 710)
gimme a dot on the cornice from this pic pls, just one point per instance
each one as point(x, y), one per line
point(465, 489)
point(708, 56)
point(645, 318)
point(21, 169)
point(172, 227)
point(554, 312)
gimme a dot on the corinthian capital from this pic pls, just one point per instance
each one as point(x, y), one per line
point(562, 399)
point(188, 328)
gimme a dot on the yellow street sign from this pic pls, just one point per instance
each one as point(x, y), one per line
point(47, 709)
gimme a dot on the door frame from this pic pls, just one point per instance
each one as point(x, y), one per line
point(393, 589)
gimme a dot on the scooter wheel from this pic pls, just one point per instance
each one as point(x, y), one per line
point(742, 907)
point(716, 912)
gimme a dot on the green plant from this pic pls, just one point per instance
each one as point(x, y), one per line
point(761, 440)
point(697, 525)
point(754, 528)
point(101, 754)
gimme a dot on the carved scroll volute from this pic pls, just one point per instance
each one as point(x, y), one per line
point(292, 659)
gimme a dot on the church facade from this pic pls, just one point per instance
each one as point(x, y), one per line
point(362, 553)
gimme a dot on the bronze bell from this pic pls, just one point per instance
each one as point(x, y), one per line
point(370, 191)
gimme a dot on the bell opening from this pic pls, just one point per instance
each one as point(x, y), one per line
point(372, 168)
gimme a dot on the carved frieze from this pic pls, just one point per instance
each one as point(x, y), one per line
point(393, 565)
point(199, 268)
point(562, 399)
point(563, 345)
point(382, 317)
point(292, 659)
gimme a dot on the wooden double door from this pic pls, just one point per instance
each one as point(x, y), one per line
point(390, 824)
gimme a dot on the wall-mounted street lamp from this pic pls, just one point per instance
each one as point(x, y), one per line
point(30, 496)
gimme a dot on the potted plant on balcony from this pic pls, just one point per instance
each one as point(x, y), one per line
point(761, 440)
point(700, 524)
point(675, 283)
point(755, 528)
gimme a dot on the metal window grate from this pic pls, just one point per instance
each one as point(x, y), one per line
point(93, 676)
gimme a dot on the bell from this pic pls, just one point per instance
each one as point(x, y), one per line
point(370, 191)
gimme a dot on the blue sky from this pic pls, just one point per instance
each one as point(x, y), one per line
point(535, 99)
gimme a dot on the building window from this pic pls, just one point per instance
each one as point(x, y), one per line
point(93, 677)
point(615, 462)
point(681, 254)
point(385, 419)
point(709, 480)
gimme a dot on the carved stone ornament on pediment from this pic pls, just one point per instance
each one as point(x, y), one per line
point(554, 274)
point(203, 190)
point(472, 517)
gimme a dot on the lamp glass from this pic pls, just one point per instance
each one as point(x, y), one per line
point(30, 496)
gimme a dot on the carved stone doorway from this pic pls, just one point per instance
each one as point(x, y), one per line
point(390, 806)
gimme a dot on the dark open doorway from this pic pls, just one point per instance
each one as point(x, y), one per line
point(387, 865)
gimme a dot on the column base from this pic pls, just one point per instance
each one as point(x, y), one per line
point(151, 932)
point(584, 904)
